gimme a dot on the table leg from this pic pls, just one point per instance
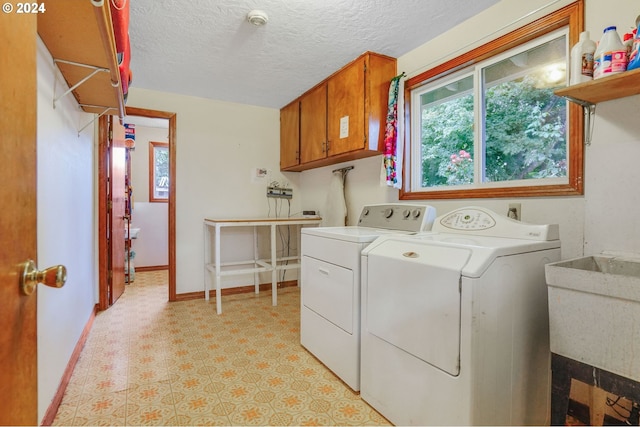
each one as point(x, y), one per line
point(299, 272)
point(256, 276)
point(217, 278)
point(274, 271)
point(207, 260)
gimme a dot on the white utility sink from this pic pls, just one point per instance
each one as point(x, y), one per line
point(134, 233)
point(594, 311)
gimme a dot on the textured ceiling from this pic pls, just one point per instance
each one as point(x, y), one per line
point(207, 48)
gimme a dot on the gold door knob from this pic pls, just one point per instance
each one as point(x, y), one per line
point(54, 277)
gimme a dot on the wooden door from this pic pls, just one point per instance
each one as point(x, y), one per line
point(313, 124)
point(345, 109)
point(290, 135)
point(18, 221)
point(116, 200)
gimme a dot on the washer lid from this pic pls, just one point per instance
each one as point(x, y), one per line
point(413, 300)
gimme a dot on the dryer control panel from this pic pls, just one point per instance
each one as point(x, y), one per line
point(398, 216)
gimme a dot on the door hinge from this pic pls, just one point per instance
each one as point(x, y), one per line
point(110, 205)
point(460, 285)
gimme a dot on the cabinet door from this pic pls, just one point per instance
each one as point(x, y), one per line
point(313, 124)
point(345, 109)
point(290, 135)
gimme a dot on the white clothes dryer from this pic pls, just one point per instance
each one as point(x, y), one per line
point(455, 322)
point(330, 282)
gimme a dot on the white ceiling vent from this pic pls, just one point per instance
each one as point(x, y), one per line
point(257, 17)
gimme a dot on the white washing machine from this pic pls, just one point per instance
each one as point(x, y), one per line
point(455, 327)
point(330, 282)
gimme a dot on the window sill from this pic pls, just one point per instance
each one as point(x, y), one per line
point(488, 193)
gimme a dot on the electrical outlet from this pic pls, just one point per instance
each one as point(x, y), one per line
point(286, 193)
point(279, 192)
point(273, 191)
point(515, 211)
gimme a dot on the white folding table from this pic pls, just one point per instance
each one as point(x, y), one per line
point(257, 265)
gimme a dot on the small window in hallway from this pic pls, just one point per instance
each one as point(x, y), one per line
point(158, 171)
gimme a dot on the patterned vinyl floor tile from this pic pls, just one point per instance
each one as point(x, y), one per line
point(150, 362)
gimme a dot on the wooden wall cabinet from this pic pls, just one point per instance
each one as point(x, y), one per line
point(313, 124)
point(346, 111)
point(342, 118)
point(290, 135)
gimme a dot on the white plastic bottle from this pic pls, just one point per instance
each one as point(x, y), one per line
point(610, 56)
point(582, 59)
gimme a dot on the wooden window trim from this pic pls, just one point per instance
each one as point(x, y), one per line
point(572, 16)
point(152, 168)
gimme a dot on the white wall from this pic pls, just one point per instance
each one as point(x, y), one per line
point(612, 172)
point(605, 218)
point(152, 245)
point(66, 227)
point(218, 147)
point(220, 144)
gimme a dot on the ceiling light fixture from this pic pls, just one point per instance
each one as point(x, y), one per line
point(257, 17)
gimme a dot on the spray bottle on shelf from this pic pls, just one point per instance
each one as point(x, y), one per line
point(582, 59)
point(627, 41)
point(610, 56)
point(634, 56)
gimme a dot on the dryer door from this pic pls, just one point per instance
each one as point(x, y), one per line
point(328, 289)
point(413, 300)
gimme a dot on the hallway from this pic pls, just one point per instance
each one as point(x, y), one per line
point(150, 362)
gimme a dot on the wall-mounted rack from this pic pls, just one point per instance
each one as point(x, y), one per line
point(608, 88)
point(79, 36)
point(343, 172)
point(603, 89)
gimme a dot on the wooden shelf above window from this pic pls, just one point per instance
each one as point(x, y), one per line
point(603, 89)
point(79, 36)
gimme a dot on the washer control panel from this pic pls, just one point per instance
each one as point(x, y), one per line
point(398, 216)
point(469, 219)
point(474, 220)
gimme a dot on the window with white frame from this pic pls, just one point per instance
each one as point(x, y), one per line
point(158, 171)
point(488, 124)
